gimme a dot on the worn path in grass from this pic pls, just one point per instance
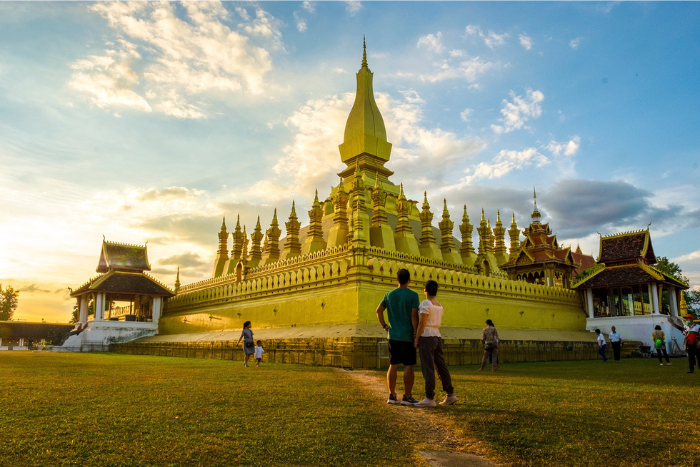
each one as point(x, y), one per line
point(585, 413)
point(442, 443)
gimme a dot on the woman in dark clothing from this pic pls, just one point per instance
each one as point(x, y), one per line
point(248, 342)
point(489, 336)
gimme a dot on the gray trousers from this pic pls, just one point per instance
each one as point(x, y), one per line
point(430, 349)
point(493, 353)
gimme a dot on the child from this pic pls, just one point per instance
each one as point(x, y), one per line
point(258, 353)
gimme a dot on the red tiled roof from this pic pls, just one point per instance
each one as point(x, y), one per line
point(584, 262)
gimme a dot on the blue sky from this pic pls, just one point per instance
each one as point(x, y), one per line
point(150, 121)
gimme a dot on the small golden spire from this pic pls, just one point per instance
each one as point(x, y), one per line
point(483, 219)
point(316, 198)
point(364, 52)
point(294, 211)
point(444, 207)
point(425, 197)
point(401, 195)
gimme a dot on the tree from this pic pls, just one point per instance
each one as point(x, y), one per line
point(664, 265)
point(9, 298)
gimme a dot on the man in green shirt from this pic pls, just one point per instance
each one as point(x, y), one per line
point(401, 305)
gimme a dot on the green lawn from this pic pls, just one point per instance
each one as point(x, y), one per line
point(108, 409)
point(582, 413)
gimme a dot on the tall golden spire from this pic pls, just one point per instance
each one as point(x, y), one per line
point(177, 280)
point(364, 53)
point(365, 132)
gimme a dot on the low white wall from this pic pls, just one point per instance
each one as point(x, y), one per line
point(638, 328)
point(99, 334)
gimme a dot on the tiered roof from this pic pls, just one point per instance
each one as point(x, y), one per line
point(122, 266)
point(626, 259)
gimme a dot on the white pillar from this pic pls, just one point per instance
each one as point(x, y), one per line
point(21, 341)
point(155, 316)
point(99, 306)
point(674, 301)
point(83, 310)
point(589, 302)
point(654, 298)
point(0, 341)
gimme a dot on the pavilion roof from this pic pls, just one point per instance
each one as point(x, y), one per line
point(124, 282)
point(627, 247)
point(622, 275)
point(123, 256)
point(584, 262)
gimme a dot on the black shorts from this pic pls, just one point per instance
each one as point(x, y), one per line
point(402, 352)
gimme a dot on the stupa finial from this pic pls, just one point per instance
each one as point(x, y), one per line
point(364, 52)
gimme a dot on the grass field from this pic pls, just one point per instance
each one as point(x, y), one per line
point(108, 409)
point(94, 409)
point(582, 413)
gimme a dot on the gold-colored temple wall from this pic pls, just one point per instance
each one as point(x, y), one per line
point(344, 286)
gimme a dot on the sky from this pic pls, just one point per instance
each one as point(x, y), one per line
point(148, 122)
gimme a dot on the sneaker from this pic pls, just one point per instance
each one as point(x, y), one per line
point(449, 399)
point(668, 363)
point(661, 364)
point(425, 403)
point(392, 399)
point(408, 400)
point(245, 365)
point(691, 372)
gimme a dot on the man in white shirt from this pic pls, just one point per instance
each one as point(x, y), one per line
point(601, 344)
point(616, 341)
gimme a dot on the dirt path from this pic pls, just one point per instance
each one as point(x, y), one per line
point(441, 442)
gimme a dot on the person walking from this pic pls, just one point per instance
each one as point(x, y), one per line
point(692, 335)
point(429, 344)
point(601, 344)
point(489, 337)
point(659, 339)
point(616, 342)
point(248, 342)
point(401, 305)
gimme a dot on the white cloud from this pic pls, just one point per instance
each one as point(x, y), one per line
point(574, 43)
point(466, 114)
point(505, 161)
point(569, 148)
point(457, 53)
point(353, 6)
point(695, 255)
point(519, 111)
point(468, 69)
point(309, 6)
point(165, 63)
point(491, 39)
point(339, 70)
point(526, 41)
point(301, 22)
point(430, 42)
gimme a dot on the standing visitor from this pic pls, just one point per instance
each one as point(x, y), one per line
point(659, 339)
point(248, 342)
point(429, 342)
point(616, 341)
point(401, 305)
point(692, 335)
point(258, 353)
point(489, 336)
point(601, 344)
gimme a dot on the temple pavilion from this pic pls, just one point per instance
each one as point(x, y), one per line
point(625, 290)
point(127, 302)
point(539, 259)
